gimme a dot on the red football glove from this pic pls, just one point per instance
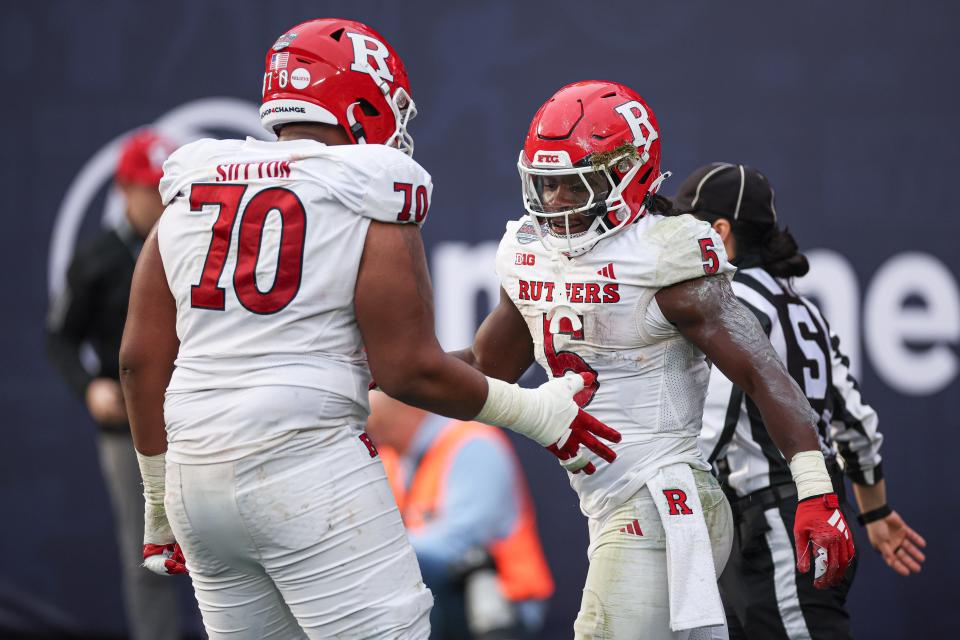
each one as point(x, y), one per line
point(573, 464)
point(583, 431)
point(819, 520)
point(164, 559)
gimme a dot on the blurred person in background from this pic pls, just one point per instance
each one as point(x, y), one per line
point(765, 598)
point(467, 510)
point(92, 310)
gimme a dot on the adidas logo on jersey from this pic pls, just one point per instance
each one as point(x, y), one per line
point(607, 272)
point(632, 529)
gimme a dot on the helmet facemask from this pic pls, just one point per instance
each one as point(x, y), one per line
point(574, 207)
point(404, 110)
point(401, 106)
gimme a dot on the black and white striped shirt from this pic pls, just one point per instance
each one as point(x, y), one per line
point(734, 437)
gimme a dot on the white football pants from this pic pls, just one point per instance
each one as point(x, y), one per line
point(303, 540)
point(625, 596)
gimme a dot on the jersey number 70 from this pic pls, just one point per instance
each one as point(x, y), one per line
point(208, 294)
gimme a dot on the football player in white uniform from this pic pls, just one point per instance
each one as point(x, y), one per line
point(279, 277)
point(594, 279)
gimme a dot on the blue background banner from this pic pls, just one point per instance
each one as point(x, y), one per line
point(849, 108)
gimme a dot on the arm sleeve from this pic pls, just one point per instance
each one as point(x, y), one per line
point(854, 423)
point(68, 323)
point(479, 506)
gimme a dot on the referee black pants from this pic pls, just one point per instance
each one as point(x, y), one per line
point(763, 595)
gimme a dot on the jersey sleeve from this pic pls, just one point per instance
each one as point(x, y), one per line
point(854, 423)
point(685, 248)
point(183, 167)
point(397, 189)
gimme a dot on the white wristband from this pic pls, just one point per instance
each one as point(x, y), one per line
point(542, 414)
point(810, 474)
point(153, 470)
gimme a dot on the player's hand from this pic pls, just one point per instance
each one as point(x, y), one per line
point(105, 401)
point(583, 430)
point(164, 559)
point(899, 545)
point(550, 416)
point(820, 522)
point(573, 464)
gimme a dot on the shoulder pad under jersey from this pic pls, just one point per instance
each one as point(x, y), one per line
point(519, 236)
point(379, 182)
point(192, 163)
point(683, 248)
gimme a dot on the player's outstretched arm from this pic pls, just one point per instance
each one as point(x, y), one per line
point(502, 348)
point(147, 353)
point(706, 311)
point(394, 309)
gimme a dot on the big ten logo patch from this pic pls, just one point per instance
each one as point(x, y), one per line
point(525, 259)
point(677, 502)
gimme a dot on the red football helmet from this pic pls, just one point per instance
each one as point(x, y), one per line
point(339, 72)
point(592, 149)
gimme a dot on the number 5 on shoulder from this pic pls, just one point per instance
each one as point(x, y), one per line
point(711, 262)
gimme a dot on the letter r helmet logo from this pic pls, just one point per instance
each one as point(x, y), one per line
point(370, 56)
point(639, 122)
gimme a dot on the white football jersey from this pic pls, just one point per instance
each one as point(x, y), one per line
point(597, 312)
point(261, 244)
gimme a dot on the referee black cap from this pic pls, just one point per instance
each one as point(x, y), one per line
point(732, 191)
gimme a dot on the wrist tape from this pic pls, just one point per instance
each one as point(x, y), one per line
point(525, 411)
point(810, 474)
point(153, 470)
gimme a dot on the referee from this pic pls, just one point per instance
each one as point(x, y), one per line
point(91, 311)
point(765, 598)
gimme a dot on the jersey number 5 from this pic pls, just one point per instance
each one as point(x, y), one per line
point(710, 260)
point(563, 361)
point(208, 294)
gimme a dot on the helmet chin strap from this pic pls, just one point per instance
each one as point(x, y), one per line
point(656, 184)
point(356, 129)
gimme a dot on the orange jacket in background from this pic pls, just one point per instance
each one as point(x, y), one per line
point(521, 566)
